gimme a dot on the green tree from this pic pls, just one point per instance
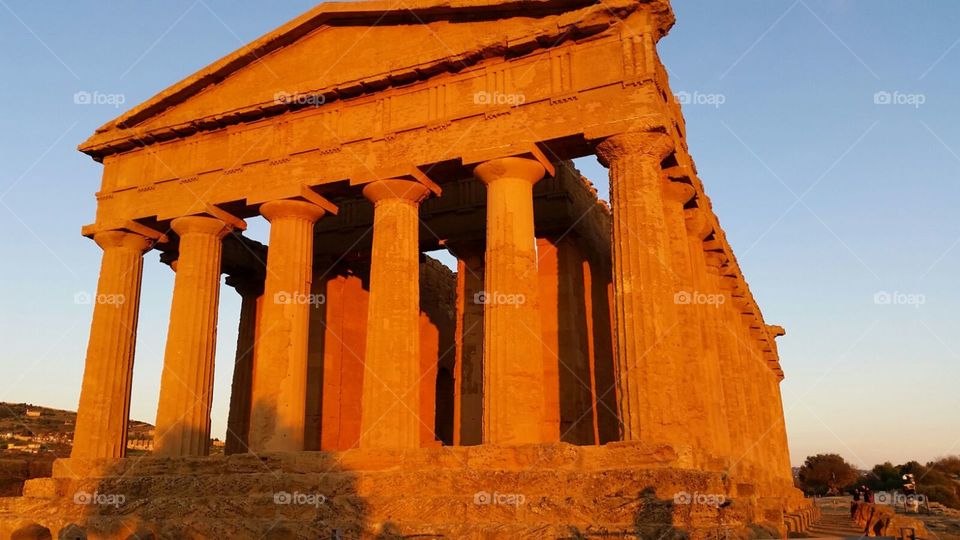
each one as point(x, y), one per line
point(949, 466)
point(823, 474)
point(883, 477)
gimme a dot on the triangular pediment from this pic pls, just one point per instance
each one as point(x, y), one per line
point(345, 49)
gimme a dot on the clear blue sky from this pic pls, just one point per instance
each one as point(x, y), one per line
point(827, 197)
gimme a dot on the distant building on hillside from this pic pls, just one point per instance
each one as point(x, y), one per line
point(34, 413)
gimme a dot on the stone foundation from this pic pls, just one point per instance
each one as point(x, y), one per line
point(800, 517)
point(538, 491)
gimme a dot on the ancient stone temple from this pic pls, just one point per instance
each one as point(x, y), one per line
point(588, 370)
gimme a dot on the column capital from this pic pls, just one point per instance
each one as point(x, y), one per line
point(656, 145)
point(247, 284)
point(289, 208)
point(200, 225)
point(698, 224)
point(117, 239)
point(740, 301)
point(678, 192)
point(396, 189)
point(729, 283)
point(714, 260)
point(520, 168)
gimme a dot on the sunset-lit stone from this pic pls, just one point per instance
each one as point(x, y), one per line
point(186, 386)
point(390, 415)
point(585, 368)
point(280, 370)
point(512, 351)
point(101, 430)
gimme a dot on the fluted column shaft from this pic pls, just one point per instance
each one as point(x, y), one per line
point(768, 428)
point(280, 373)
point(708, 300)
point(770, 439)
point(101, 430)
point(784, 465)
point(186, 385)
point(757, 426)
point(250, 289)
point(725, 344)
point(513, 396)
point(646, 337)
point(693, 407)
point(390, 415)
point(468, 403)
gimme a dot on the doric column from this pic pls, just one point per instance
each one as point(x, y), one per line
point(732, 333)
point(692, 405)
point(344, 347)
point(728, 355)
point(468, 376)
point(646, 336)
point(101, 430)
point(566, 346)
point(769, 436)
point(512, 350)
point(762, 376)
point(785, 472)
point(280, 373)
point(186, 385)
point(756, 425)
point(250, 288)
point(597, 286)
point(391, 383)
point(706, 302)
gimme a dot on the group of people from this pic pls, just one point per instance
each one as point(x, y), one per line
point(911, 499)
point(862, 492)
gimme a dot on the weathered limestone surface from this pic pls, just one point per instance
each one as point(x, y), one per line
point(705, 312)
point(250, 288)
point(280, 374)
point(101, 430)
point(468, 415)
point(186, 386)
point(566, 351)
point(693, 404)
point(531, 491)
point(512, 352)
point(391, 415)
point(646, 338)
point(627, 330)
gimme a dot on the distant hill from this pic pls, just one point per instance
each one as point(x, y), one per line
point(32, 436)
point(26, 419)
